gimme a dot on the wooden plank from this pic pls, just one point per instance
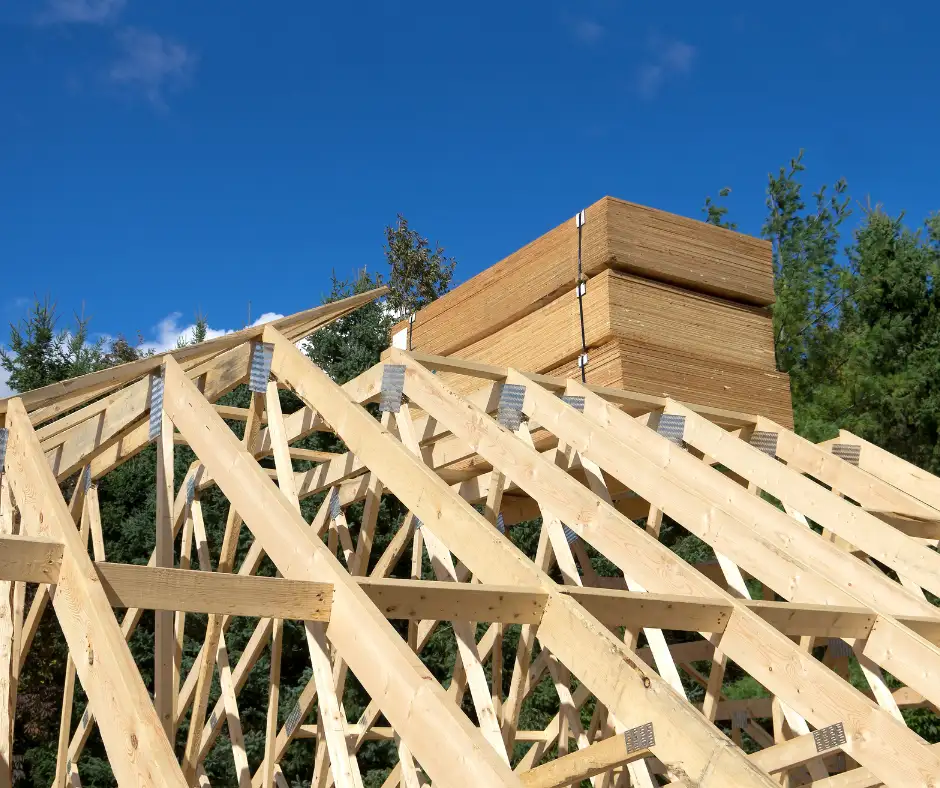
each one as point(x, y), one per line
point(868, 490)
point(446, 601)
point(33, 559)
point(165, 688)
point(692, 347)
point(389, 672)
point(685, 376)
point(583, 764)
point(603, 663)
point(214, 642)
point(155, 588)
point(221, 375)
point(66, 769)
point(230, 413)
point(330, 714)
point(311, 455)
point(8, 636)
point(880, 541)
point(630, 401)
point(123, 373)
point(899, 473)
point(138, 751)
point(747, 639)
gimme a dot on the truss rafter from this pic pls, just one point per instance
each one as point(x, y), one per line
point(837, 540)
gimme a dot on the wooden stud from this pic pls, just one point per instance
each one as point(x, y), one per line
point(354, 621)
point(129, 725)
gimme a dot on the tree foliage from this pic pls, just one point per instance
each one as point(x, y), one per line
point(715, 212)
point(418, 273)
point(40, 353)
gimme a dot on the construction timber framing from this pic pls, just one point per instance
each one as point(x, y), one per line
point(835, 539)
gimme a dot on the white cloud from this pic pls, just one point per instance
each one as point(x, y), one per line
point(5, 390)
point(677, 55)
point(670, 57)
point(93, 12)
point(587, 31)
point(166, 336)
point(168, 332)
point(151, 64)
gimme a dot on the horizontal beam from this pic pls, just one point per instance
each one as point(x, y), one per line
point(424, 600)
point(37, 560)
point(312, 455)
point(230, 413)
point(31, 560)
point(583, 764)
point(911, 526)
point(430, 600)
point(631, 401)
point(190, 591)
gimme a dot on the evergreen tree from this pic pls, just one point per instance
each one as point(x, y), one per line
point(40, 355)
point(715, 213)
point(858, 330)
point(354, 343)
point(198, 334)
point(887, 388)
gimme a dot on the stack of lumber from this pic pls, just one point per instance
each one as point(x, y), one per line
point(673, 307)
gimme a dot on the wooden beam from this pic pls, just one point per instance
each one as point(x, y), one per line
point(96, 383)
point(812, 690)
point(907, 477)
point(222, 374)
point(688, 743)
point(926, 530)
point(311, 455)
point(868, 490)
point(439, 735)
point(10, 623)
point(424, 600)
point(164, 677)
point(630, 401)
point(37, 560)
point(879, 540)
point(583, 764)
point(192, 591)
point(30, 559)
point(138, 751)
point(230, 413)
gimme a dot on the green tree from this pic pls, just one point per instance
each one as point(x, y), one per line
point(887, 388)
point(198, 334)
point(352, 344)
point(858, 330)
point(715, 213)
point(418, 274)
point(39, 354)
point(808, 277)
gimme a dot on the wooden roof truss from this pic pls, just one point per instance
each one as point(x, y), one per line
point(836, 539)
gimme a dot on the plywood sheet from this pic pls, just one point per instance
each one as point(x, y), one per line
point(616, 234)
point(637, 310)
point(649, 369)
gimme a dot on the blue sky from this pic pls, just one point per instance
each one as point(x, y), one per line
point(162, 158)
